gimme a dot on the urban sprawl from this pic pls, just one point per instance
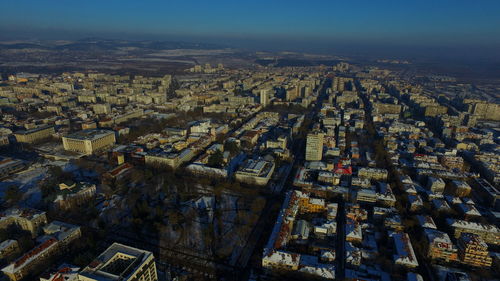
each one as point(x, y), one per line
point(348, 172)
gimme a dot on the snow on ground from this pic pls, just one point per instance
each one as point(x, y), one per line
point(27, 181)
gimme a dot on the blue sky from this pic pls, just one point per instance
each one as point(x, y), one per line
point(419, 22)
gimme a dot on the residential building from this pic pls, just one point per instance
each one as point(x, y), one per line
point(58, 236)
point(472, 250)
point(25, 218)
point(488, 232)
point(8, 248)
point(404, 254)
point(314, 146)
point(436, 185)
point(73, 194)
point(373, 173)
point(101, 108)
point(64, 272)
point(440, 246)
point(264, 97)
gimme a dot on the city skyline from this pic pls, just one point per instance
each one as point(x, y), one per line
point(456, 27)
point(257, 141)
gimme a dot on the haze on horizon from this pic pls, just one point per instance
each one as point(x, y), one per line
point(453, 28)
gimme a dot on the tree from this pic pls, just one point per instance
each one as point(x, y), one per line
point(232, 147)
point(216, 159)
point(258, 204)
point(13, 195)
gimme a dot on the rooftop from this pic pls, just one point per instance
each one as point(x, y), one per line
point(116, 262)
point(90, 134)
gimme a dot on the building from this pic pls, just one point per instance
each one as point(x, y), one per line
point(489, 194)
point(301, 230)
point(64, 272)
point(257, 172)
point(426, 222)
point(440, 246)
point(58, 236)
point(34, 135)
point(373, 173)
point(472, 250)
point(278, 259)
point(312, 205)
point(23, 266)
point(171, 160)
point(452, 162)
point(10, 166)
point(65, 233)
point(460, 188)
point(73, 194)
point(121, 262)
point(436, 185)
point(27, 219)
point(4, 135)
point(89, 141)
point(366, 195)
point(353, 231)
point(314, 146)
point(487, 232)
point(264, 97)
point(101, 108)
point(404, 255)
point(8, 248)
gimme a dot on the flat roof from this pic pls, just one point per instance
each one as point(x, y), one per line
point(104, 267)
point(25, 132)
point(90, 134)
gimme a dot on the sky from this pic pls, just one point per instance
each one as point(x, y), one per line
point(469, 25)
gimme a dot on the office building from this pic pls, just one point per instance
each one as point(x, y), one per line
point(34, 135)
point(121, 262)
point(255, 171)
point(89, 141)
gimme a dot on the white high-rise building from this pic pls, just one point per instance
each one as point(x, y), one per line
point(314, 146)
point(264, 97)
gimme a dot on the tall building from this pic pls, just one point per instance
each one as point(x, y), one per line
point(89, 141)
point(472, 250)
point(121, 262)
point(264, 97)
point(314, 146)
